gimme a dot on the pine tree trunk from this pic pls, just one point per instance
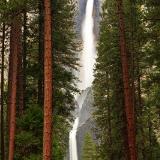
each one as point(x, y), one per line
point(47, 133)
point(15, 36)
point(129, 107)
point(20, 82)
point(2, 95)
point(10, 72)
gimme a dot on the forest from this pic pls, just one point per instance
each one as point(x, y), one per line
point(80, 79)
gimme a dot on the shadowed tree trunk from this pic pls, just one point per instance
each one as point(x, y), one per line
point(15, 35)
point(2, 94)
point(47, 132)
point(20, 80)
point(9, 91)
point(128, 96)
point(41, 51)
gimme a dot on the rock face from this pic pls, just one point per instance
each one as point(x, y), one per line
point(86, 123)
point(87, 107)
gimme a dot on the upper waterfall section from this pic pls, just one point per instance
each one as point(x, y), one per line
point(81, 5)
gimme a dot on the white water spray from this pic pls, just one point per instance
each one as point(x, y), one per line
point(87, 62)
point(88, 56)
point(73, 142)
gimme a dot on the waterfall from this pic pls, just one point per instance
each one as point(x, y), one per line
point(89, 51)
point(87, 58)
point(73, 142)
point(86, 77)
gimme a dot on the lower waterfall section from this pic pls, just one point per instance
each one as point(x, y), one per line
point(72, 136)
point(73, 141)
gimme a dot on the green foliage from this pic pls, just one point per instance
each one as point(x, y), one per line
point(108, 88)
point(142, 36)
point(8, 9)
point(89, 148)
point(29, 134)
point(29, 126)
point(34, 157)
point(65, 53)
point(60, 138)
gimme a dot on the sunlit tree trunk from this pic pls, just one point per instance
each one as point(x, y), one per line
point(15, 35)
point(2, 94)
point(47, 133)
point(128, 96)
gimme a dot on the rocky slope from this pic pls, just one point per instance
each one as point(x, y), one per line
point(86, 123)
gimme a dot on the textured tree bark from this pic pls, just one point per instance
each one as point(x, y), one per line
point(9, 93)
point(2, 94)
point(47, 132)
point(128, 96)
point(15, 36)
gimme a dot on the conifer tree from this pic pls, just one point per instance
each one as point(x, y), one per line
point(128, 96)
point(29, 126)
point(108, 89)
point(89, 148)
point(138, 18)
point(15, 35)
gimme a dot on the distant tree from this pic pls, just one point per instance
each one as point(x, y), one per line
point(2, 93)
point(89, 148)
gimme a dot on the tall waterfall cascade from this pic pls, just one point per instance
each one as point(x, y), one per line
point(87, 61)
point(87, 58)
